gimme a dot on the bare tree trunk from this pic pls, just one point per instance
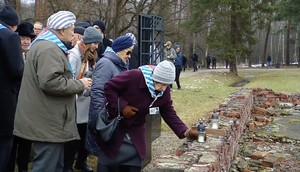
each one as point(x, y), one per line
point(234, 36)
point(266, 43)
point(287, 57)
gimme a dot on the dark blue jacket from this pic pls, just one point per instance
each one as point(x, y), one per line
point(11, 72)
point(106, 68)
point(179, 60)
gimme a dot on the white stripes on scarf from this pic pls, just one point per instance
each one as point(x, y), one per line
point(147, 72)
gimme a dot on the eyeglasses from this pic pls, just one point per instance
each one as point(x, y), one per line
point(128, 52)
point(37, 29)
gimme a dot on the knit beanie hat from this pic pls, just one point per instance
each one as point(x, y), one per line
point(164, 72)
point(61, 20)
point(121, 43)
point(132, 37)
point(79, 30)
point(100, 24)
point(25, 29)
point(91, 35)
point(9, 16)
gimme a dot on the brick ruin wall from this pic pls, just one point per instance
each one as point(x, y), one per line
point(220, 148)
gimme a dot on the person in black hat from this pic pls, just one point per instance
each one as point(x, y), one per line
point(11, 72)
point(26, 33)
point(78, 33)
point(100, 25)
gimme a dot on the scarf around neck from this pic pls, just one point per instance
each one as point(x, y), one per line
point(49, 36)
point(2, 26)
point(147, 71)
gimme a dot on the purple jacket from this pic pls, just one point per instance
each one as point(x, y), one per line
point(130, 86)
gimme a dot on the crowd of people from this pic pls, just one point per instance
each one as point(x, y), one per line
point(56, 78)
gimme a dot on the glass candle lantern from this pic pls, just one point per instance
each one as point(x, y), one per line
point(201, 133)
point(215, 121)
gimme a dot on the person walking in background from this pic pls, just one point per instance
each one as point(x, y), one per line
point(269, 61)
point(101, 27)
point(169, 52)
point(22, 147)
point(178, 65)
point(208, 61)
point(195, 62)
point(112, 63)
point(46, 109)
point(37, 28)
point(11, 72)
point(151, 96)
point(82, 59)
point(214, 62)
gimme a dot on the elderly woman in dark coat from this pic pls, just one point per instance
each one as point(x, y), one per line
point(112, 63)
point(142, 92)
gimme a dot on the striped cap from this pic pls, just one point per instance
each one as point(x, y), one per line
point(61, 20)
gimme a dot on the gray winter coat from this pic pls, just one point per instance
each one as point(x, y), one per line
point(46, 105)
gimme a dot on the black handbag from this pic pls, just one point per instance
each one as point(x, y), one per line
point(103, 128)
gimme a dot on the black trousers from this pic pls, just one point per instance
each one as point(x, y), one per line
point(6, 144)
point(195, 66)
point(177, 75)
point(120, 168)
point(78, 146)
point(21, 149)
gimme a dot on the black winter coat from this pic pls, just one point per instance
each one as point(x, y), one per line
point(11, 72)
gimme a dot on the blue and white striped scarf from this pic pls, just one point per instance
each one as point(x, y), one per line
point(2, 26)
point(147, 71)
point(49, 36)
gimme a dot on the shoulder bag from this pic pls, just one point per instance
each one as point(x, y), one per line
point(103, 128)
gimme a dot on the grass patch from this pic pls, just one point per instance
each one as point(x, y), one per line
point(204, 91)
point(282, 80)
point(294, 120)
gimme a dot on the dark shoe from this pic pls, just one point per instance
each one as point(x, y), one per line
point(68, 170)
point(84, 168)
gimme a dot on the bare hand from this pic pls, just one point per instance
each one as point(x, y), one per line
point(87, 82)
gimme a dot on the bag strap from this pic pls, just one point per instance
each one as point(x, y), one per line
point(119, 117)
point(83, 65)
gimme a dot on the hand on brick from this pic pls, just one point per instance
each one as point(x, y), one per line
point(191, 134)
point(129, 111)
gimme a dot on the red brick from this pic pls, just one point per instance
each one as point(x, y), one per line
point(179, 152)
point(267, 104)
point(270, 161)
point(233, 114)
point(260, 118)
point(251, 126)
point(216, 132)
point(258, 155)
point(260, 111)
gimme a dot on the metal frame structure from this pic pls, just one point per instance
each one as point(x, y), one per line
point(151, 39)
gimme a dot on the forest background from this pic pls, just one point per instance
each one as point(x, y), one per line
point(242, 32)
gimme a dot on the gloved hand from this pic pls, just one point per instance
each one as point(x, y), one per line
point(191, 134)
point(129, 111)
